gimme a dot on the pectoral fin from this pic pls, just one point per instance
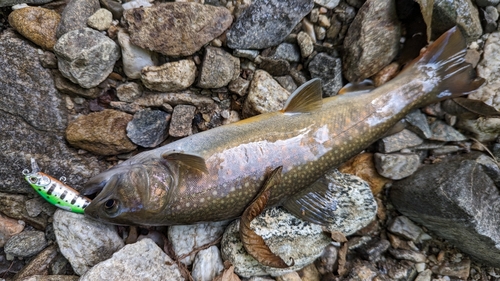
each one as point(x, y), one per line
point(306, 98)
point(191, 160)
point(252, 242)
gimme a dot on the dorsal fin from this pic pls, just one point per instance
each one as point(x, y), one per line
point(191, 160)
point(364, 86)
point(306, 98)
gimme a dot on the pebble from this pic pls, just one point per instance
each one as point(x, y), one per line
point(239, 86)
point(362, 165)
point(129, 91)
point(330, 4)
point(182, 121)
point(287, 51)
point(8, 228)
point(306, 44)
point(136, 4)
point(114, 7)
point(398, 141)
point(247, 54)
point(185, 27)
point(416, 121)
point(396, 166)
point(404, 227)
point(202, 103)
point(25, 244)
point(36, 24)
point(329, 70)
point(12, 205)
point(218, 69)
point(134, 58)
point(462, 13)
point(75, 15)
point(100, 20)
point(287, 83)
point(275, 67)
point(102, 133)
point(143, 260)
point(186, 238)
point(169, 77)
point(490, 15)
point(484, 129)
point(328, 259)
point(85, 242)
point(207, 264)
point(264, 95)
point(266, 23)
point(67, 87)
point(86, 56)
point(410, 255)
point(425, 275)
point(7, 3)
point(290, 276)
point(148, 128)
point(373, 250)
point(372, 40)
point(444, 132)
point(39, 264)
point(51, 278)
point(459, 270)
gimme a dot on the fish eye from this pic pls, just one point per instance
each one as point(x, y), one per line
point(111, 205)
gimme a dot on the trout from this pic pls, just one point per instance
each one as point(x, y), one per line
point(214, 175)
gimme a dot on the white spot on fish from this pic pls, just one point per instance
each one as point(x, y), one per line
point(444, 93)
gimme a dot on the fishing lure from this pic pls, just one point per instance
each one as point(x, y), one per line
point(55, 191)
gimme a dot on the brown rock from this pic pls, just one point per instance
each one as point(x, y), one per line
point(362, 165)
point(102, 133)
point(386, 74)
point(40, 264)
point(36, 24)
point(185, 27)
point(182, 119)
point(169, 77)
point(8, 228)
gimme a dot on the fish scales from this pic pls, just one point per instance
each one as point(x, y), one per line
point(152, 188)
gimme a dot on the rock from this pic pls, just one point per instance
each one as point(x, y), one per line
point(416, 121)
point(207, 264)
point(490, 15)
point(8, 228)
point(203, 103)
point(169, 77)
point(39, 264)
point(287, 51)
point(182, 121)
point(67, 87)
point(461, 13)
point(114, 7)
point(398, 141)
point(218, 69)
point(287, 237)
point(485, 3)
point(100, 20)
point(372, 40)
point(85, 56)
point(425, 275)
point(362, 166)
point(484, 129)
point(374, 249)
point(410, 255)
point(330, 4)
point(449, 198)
point(239, 86)
point(328, 259)
point(143, 260)
point(275, 67)
point(85, 242)
point(136, 4)
point(459, 270)
point(329, 70)
point(7, 3)
point(51, 278)
point(148, 128)
point(12, 205)
point(264, 95)
point(265, 23)
point(287, 83)
point(443, 132)
point(290, 276)
point(134, 58)
point(404, 227)
point(386, 74)
point(26, 244)
point(36, 24)
point(306, 44)
point(75, 15)
point(186, 238)
point(396, 166)
point(185, 27)
point(102, 133)
point(128, 92)
point(247, 54)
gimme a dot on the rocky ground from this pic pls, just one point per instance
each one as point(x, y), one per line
point(86, 84)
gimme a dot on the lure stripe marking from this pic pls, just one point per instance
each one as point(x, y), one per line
point(51, 189)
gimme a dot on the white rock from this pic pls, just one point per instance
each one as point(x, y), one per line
point(330, 4)
point(100, 20)
point(136, 4)
point(143, 260)
point(169, 77)
point(134, 58)
point(207, 264)
point(84, 242)
point(186, 238)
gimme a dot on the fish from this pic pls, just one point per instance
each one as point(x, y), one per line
point(214, 175)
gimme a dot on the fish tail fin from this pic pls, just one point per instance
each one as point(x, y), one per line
point(445, 58)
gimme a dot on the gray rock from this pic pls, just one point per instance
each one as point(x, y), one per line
point(134, 58)
point(462, 13)
point(185, 27)
point(443, 132)
point(265, 23)
point(396, 166)
point(114, 7)
point(330, 4)
point(143, 260)
point(328, 259)
point(372, 40)
point(26, 244)
point(239, 86)
point(374, 249)
point(460, 270)
point(85, 242)
point(287, 83)
point(446, 149)
point(275, 67)
point(182, 121)
point(398, 141)
point(417, 123)
point(128, 92)
point(287, 51)
point(485, 3)
point(75, 15)
point(306, 44)
point(186, 238)
point(405, 228)
point(148, 128)
point(490, 15)
point(203, 103)
point(329, 70)
point(7, 3)
point(286, 236)
point(410, 255)
point(247, 54)
point(456, 199)
point(207, 264)
point(86, 56)
point(100, 20)
point(218, 68)
point(425, 275)
point(169, 77)
point(32, 115)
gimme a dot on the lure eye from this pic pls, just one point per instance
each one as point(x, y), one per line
point(33, 179)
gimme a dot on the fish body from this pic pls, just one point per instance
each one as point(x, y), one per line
point(214, 175)
point(57, 193)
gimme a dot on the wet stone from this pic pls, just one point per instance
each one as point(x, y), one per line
point(182, 121)
point(185, 27)
point(443, 132)
point(265, 23)
point(398, 141)
point(36, 24)
point(417, 123)
point(275, 67)
point(134, 58)
point(405, 228)
point(148, 128)
point(75, 15)
point(207, 264)
point(169, 77)
point(287, 51)
point(396, 166)
point(374, 249)
point(100, 20)
point(26, 244)
point(329, 70)
point(218, 69)
point(461, 13)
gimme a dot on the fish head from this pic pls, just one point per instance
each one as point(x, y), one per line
point(132, 194)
